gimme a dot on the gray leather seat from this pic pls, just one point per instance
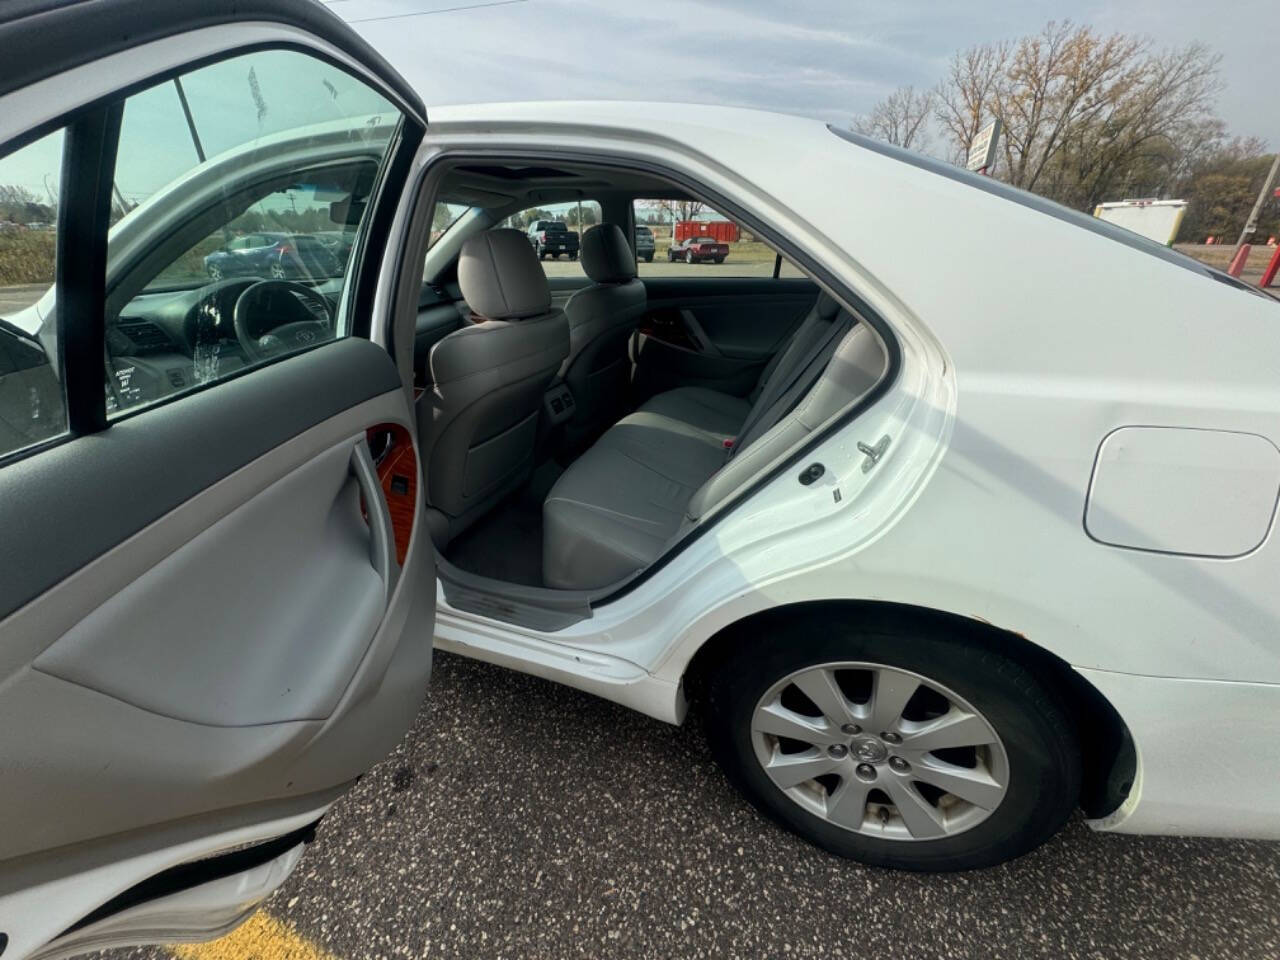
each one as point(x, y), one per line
point(618, 506)
point(478, 419)
point(601, 320)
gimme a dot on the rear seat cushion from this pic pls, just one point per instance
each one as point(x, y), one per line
point(614, 510)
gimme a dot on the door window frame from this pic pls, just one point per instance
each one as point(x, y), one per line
point(92, 133)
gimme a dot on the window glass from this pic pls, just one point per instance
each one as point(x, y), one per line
point(555, 232)
point(443, 217)
point(240, 194)
point(31, 399)
point(688, 238)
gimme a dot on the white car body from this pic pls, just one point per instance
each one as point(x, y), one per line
point(1025, 342)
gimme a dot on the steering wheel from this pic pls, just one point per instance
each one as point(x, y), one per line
point(271, 318)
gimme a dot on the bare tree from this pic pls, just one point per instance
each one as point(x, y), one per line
point(1084, 115)
point(683, 209)
point(899, 118)
point(966, 98)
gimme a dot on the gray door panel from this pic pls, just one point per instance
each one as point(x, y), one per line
point(716, 332)
point(244, 645)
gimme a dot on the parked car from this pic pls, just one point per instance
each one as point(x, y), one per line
point(338, 242)
point(644, 243)
point(946, 555)
point(279, 255)
point(698, 250)
point(550, 238)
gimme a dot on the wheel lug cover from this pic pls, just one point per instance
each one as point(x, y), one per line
point(890, 737)
point(865, 771)
point(838, 750)
point(898, 765)
point(850, 728)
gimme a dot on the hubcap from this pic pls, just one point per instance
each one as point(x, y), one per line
point(936, 768)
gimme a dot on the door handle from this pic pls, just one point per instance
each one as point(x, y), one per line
point(382, 542)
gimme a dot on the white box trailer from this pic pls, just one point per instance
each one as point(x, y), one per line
point(1156, 220)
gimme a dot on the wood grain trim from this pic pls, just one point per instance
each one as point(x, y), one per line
point(397, 463)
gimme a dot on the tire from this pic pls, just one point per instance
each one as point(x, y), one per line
point(1030, 771)
point(688, 257)
point(573, 256)
point(649, 258)
point(542, 254)
point(719, 259)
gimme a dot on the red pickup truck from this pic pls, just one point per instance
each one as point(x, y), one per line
point(698, 250)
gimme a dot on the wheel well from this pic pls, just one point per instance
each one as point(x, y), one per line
point(1108, 756)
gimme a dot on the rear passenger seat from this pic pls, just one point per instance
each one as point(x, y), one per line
point(618, 506)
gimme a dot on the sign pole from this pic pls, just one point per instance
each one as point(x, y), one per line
point(1252, 223)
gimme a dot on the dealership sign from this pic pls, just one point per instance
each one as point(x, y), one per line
point(982, 152)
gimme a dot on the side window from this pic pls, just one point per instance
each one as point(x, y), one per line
point(555, 233)
point(240, 195)
point(31, 398)
point(688, 238)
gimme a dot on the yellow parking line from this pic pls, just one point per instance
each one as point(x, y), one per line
point(261, 937)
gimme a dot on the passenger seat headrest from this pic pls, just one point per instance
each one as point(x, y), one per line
point(606, 255)
point(501, 278)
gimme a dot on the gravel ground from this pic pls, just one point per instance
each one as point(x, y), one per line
point(524, 819)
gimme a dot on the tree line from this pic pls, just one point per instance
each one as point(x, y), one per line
point(1090, 117)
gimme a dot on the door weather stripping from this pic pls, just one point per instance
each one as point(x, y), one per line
point(873, 454)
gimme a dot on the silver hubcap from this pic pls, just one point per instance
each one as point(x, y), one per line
point(880, 751)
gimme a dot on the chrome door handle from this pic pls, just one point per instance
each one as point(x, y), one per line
point(382, 541)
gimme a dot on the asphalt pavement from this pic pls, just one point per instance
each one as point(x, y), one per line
point(523, 819)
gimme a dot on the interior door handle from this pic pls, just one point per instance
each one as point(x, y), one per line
point(382, 541)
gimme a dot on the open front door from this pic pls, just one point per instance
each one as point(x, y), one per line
point(216, 609)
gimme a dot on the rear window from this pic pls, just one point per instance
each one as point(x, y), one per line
point(554, 227)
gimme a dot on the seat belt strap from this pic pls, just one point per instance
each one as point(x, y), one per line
point(838, 328)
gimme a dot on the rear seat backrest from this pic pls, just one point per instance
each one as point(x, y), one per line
point(857, 362)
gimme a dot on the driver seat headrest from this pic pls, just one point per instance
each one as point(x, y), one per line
point(501, 278)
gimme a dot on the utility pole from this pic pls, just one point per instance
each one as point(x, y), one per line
point(1252, 223)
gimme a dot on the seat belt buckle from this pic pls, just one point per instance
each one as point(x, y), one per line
point(729, 442)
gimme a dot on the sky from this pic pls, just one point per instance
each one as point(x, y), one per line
point(830, 59)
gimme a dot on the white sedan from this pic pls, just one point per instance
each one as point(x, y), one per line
point(957, 526)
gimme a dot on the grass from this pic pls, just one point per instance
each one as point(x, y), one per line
point(27, 256)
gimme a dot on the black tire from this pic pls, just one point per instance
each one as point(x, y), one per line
point(719, 259)
point(1035, 729)
point(649, 258)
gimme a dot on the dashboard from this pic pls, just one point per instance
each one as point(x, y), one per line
point(165, 342)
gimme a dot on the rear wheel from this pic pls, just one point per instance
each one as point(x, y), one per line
point(649, 258)
point(688, 256)
point(900, 748)
point(719, 259)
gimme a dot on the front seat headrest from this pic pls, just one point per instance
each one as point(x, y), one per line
point(501, 278)
point(606, 255)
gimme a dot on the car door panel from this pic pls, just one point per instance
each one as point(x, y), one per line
point(197, 664)
point(715, 332)
point(217, 610)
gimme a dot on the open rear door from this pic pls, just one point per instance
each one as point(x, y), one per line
point(216, 610)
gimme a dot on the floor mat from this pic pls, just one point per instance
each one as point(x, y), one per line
point(507, 544)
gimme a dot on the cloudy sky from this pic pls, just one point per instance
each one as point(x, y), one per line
point(825, 58)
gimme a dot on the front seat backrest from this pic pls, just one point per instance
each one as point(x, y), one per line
point(601, 319)
point(478, 419)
